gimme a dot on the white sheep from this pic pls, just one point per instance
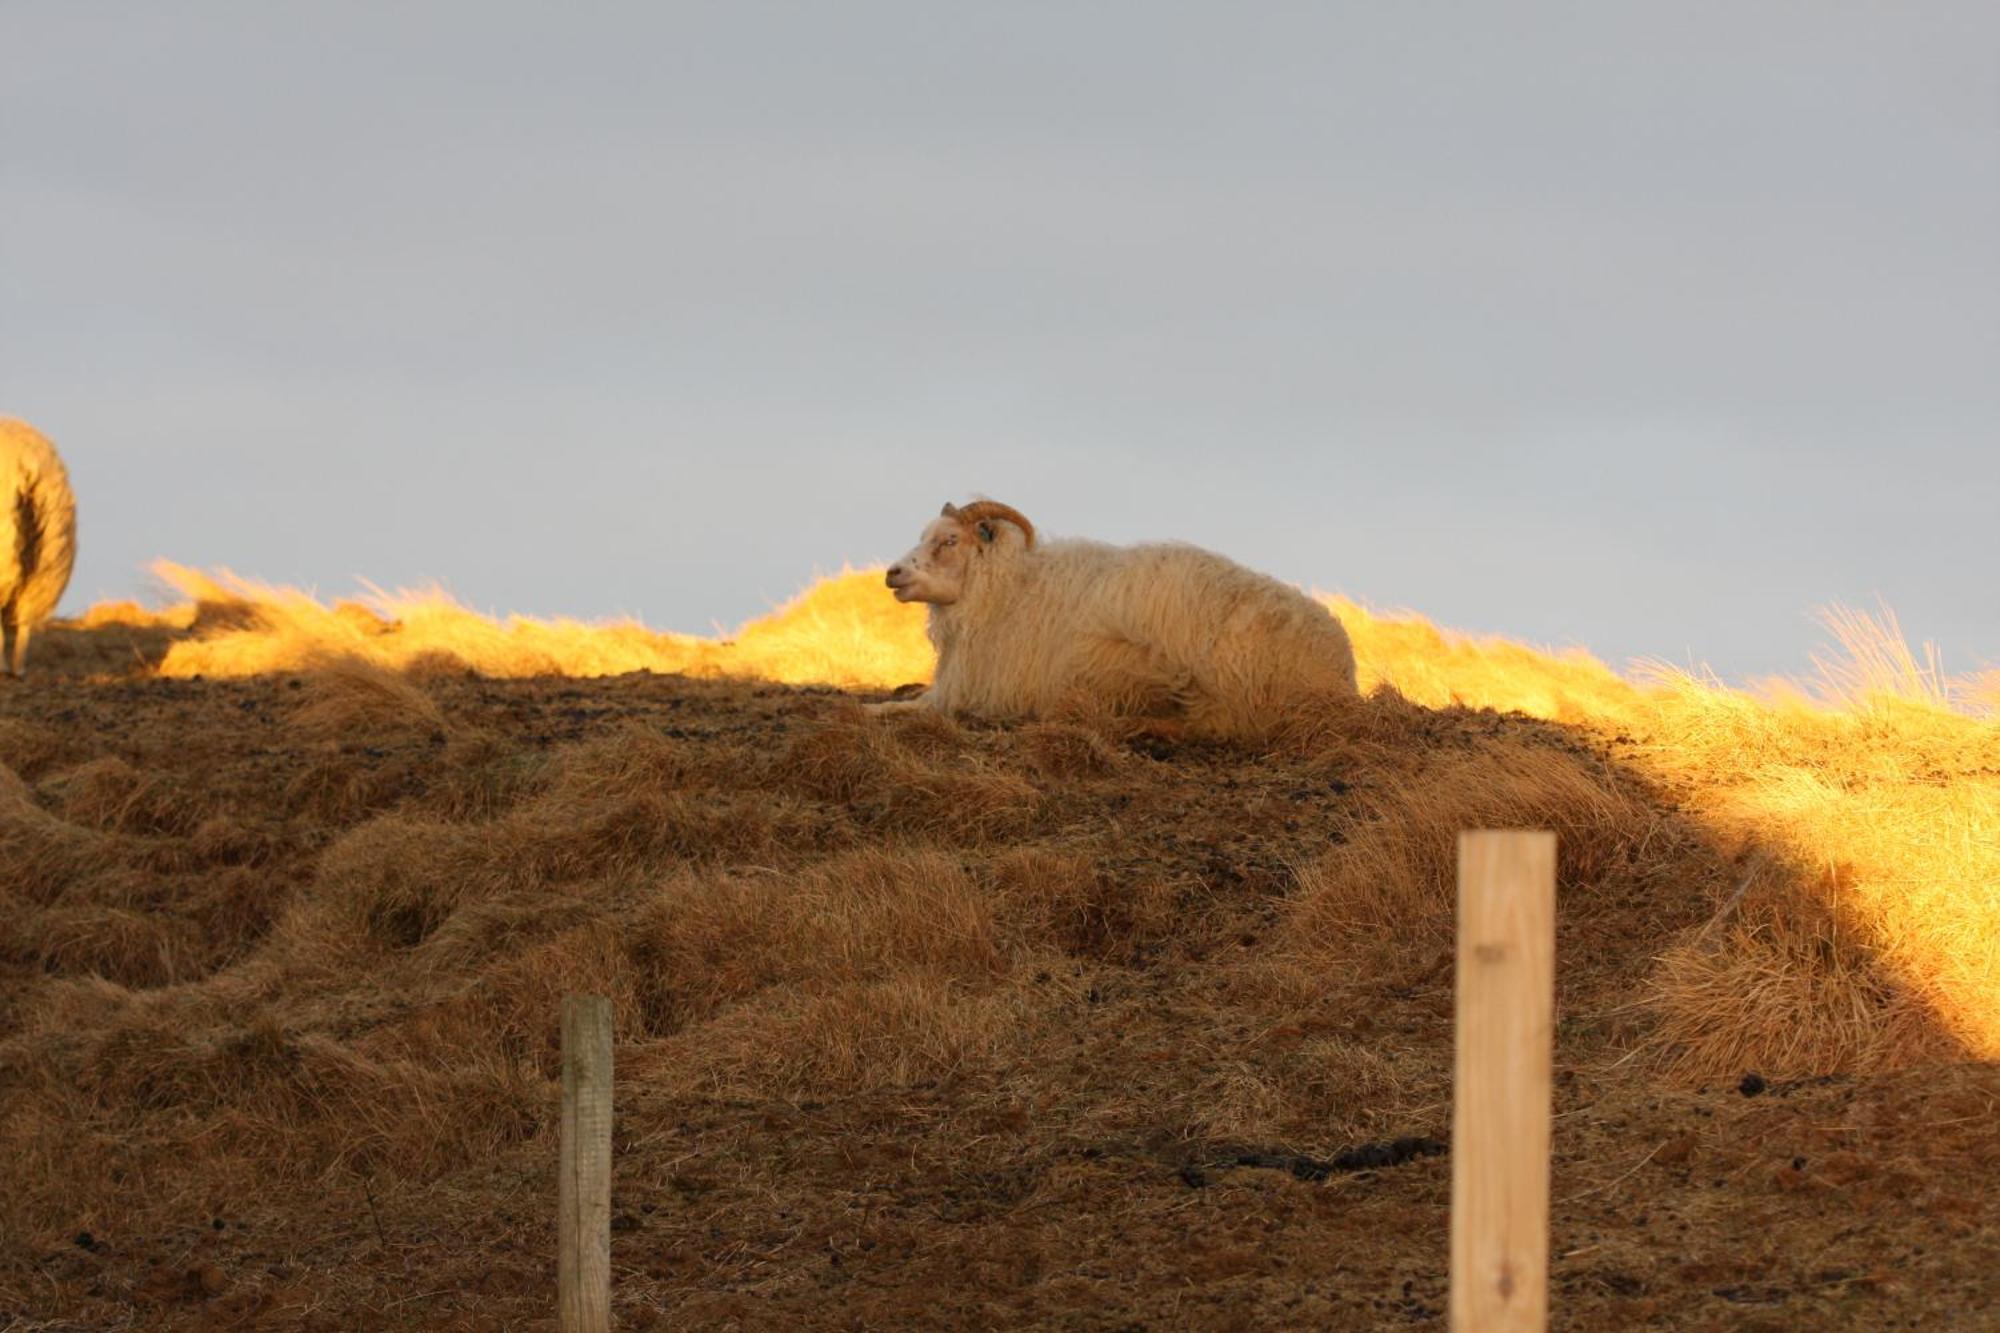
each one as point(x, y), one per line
point(37, 537)
point(1026, 628)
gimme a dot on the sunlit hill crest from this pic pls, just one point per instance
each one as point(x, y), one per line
point(1873, 780)
point(843, 631)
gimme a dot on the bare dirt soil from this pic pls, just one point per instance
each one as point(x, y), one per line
point(921, 1023)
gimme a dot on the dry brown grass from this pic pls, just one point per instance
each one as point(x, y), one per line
point(989, 1014)
point(351, 698)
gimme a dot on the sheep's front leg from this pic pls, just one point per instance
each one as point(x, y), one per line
point(13, 647)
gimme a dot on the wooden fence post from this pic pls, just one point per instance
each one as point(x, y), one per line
point(583, 1183)
point(1500, 1098)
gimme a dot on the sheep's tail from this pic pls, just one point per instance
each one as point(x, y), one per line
point(29, 525)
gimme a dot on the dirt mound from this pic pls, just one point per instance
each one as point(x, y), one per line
point(926, 1022)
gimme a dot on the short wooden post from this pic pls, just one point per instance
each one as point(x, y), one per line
point(583, 1184)
point(1500, 1100)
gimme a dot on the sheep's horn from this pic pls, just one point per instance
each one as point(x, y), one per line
point(980, 510)
point(950, 510)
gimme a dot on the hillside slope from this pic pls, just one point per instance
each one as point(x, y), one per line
point(925, 1021)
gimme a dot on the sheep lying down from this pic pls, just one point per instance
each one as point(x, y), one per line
point(1025, 628)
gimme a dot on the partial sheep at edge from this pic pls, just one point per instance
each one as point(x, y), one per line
point(37, 537)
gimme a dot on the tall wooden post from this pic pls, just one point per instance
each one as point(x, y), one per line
point(583, 1184)
point(1500, 1100)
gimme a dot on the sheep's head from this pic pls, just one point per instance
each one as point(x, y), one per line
point(935, 569)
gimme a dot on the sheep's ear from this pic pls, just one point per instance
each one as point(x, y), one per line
point(986, 532)
point(950, 510)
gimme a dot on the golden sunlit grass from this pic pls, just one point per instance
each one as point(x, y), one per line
point(1873, 793)
point(845, 631)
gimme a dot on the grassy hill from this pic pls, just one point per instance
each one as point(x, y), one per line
point(932, 1022)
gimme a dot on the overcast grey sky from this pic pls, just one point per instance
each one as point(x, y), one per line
point(1645, 327)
